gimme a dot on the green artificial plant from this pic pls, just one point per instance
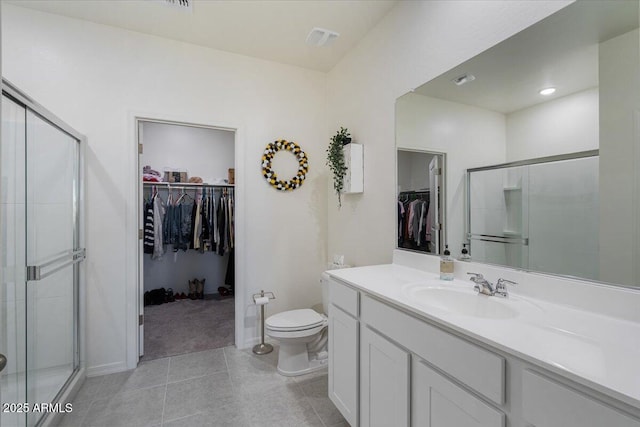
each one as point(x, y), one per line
point(335, 160)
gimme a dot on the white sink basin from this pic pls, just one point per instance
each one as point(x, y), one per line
point(459, 300)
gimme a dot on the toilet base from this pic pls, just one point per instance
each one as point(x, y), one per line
point(294, 359)
point(313, 366)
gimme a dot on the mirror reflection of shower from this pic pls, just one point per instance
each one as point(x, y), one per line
point(539, 214)
point(420, 211)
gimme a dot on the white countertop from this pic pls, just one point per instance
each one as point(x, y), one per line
point(595, 350)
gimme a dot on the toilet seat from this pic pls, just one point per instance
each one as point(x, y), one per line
point(295, 321)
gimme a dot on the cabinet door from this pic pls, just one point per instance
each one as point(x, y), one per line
point(549, 404)
point(438, 402)
point(384, 382)
point(343, 363)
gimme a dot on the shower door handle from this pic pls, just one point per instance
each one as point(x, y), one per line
point(34, 272)
point(3, 362)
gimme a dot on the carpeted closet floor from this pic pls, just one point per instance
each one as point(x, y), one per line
point(187, 326)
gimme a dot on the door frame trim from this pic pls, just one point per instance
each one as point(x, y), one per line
point(444, 185)
point(132, 253)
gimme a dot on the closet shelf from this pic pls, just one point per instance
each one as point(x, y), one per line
point(185, 185)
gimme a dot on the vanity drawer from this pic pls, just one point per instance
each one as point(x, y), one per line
point(344, 297)
point(477, 368)
point(547, 403)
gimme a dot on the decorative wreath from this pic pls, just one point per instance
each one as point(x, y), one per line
point(270, 175)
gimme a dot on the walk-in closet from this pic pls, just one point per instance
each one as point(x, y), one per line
point(187, 238)
point(420, 190)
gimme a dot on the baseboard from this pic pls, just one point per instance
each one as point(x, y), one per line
point(110, 368)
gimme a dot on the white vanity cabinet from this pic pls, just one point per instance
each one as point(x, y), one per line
point(384, 381)
point(437, 402)
point(343, 350)
point(391, 367)
point(547, 403)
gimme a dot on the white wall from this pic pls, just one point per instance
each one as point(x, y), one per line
point(97, 78)
point(470, 137)
point(414, 43)
point(207, 153)
point(413, 170)
point(560, 126)
point(619, 74)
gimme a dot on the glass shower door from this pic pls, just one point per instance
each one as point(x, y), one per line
point(13, 289)
point(53, 253)
point(498, 215)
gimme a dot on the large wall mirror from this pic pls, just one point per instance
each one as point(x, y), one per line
point(542, 141)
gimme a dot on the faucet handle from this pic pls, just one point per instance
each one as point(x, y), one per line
point(501, 288)
point(476, 276)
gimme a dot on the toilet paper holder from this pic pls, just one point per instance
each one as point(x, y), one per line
point(259, 299)
point(262, 294)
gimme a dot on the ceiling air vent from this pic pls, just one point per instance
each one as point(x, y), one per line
point(321, 37)
point(184, 5)
point(465, 78)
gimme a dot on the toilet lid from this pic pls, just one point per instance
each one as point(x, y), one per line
point(294, 320)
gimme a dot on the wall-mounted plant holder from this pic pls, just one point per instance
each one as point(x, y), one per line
point(354, 160)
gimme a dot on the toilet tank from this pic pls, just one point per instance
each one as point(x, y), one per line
point(324, 282)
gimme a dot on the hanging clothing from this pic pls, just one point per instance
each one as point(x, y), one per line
point(230, 277)
point(158, 216)
point(222, 232)
point(148, 227)
point(185, 225)
point(197, 226)
point(215, 236)
point(205, 236)
point(230, 220)
point(193, 224)
point(401, 212)
point(413, 226)
point(207, 223)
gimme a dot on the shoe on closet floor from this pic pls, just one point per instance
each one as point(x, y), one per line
point(200, 288)
point(192, 289)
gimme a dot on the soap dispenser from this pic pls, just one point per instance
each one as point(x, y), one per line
point(446, 265)
point(464, 254)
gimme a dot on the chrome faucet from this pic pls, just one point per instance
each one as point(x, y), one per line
point(483, 286)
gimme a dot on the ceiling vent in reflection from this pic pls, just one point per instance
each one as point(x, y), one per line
point(321, 37)
point(184, 5)
point(465, 78)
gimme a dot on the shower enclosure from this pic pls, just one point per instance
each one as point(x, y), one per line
point(540, 214)
point(40, 165)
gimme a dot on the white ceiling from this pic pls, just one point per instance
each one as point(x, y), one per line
point(560, 51)
point(272, 30)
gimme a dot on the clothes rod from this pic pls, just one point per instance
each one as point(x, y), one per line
point(185, 185)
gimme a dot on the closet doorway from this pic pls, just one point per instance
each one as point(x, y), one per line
point(421, 201)
point(187, 238)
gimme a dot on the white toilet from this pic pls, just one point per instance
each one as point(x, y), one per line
point(302, 335)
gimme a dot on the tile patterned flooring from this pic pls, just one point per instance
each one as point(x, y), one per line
point(220, 387)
